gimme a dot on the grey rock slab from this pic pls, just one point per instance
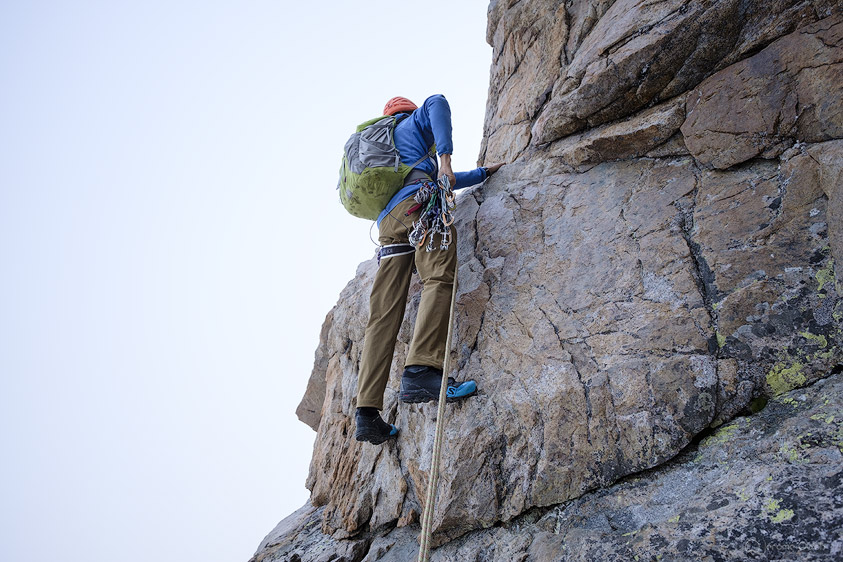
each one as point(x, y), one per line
point(763, 487)
point(762, 105)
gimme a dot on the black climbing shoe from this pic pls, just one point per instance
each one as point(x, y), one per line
point(371, 428)
point(421, 384)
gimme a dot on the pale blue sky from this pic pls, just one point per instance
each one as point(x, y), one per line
point(171, 241)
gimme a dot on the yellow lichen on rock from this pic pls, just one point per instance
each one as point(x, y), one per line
point(783, 378)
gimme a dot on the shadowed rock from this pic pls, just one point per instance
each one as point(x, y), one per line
point(763, 105)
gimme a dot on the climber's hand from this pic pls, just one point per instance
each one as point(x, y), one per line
point(445, 168)
point(494, 168)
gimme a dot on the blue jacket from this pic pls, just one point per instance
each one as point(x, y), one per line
point(414, 135)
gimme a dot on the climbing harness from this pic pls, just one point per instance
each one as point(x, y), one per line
point(391, 250)
point(430, 500)
point(437, 202)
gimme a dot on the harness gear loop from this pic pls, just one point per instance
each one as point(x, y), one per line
point(430, 500)
point(394, 250)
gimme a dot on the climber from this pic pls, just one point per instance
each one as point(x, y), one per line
point(414, 136)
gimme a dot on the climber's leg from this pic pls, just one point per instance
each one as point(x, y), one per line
point(386, 312)
point(422, 376)
point(436, 269)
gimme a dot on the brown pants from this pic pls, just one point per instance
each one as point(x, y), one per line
point(389, 299)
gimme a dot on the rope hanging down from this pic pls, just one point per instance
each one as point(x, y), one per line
point(444, 218)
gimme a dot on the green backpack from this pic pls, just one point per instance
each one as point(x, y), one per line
point(372, 171)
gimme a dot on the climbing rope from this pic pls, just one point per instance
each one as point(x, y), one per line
point(430, 500)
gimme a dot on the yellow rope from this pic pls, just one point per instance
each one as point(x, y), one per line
point(430, 501)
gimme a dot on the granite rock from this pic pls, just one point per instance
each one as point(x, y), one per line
point(631, 280)
point(608, 317)
point(764, 104)
point(764, 487)
point(607, 60)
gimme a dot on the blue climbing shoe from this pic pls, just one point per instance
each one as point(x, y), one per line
point(421, 384)
point(457, 392)
point(372, 428)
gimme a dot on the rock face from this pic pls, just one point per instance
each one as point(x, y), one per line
point(764, 117)
point(764, 487)
point(658, 256)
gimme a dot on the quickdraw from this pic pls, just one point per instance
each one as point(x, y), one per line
point(438, 203)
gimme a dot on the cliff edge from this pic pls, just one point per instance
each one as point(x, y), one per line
point(647, 299)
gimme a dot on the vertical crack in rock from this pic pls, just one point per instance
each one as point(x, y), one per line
point(702, 273)
point(614, 422)
point(705, 281)
point(478, 241)
point(566, 345)
point(495, 461)
point(564, 50)
point(585, 386)
point(410, 496)
point(533, 466)
point(534, 462)
point(364, 551)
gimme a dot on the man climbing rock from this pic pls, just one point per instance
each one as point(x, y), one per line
point(415, 135)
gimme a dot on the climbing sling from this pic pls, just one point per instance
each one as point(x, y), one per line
point(437, 204)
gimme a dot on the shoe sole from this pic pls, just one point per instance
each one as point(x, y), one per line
point(416, 397)
point(421, 396)
point(373, 438)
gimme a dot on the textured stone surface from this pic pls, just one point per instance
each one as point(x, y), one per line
point(309, 410)
point(621, 291)
point(763, 487)
point(764, 104)
point(823, 163)
point(633, 137)
point(608, 317)
point(602, 61)
point(298, 539)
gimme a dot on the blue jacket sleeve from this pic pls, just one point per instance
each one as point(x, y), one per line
point(428, 124)
point(467, 179)
point(438, 113)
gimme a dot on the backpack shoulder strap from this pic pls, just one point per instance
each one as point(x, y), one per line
point(419, 175)
point(414, 174)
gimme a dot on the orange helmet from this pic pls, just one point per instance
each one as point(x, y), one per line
point(397, 105)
